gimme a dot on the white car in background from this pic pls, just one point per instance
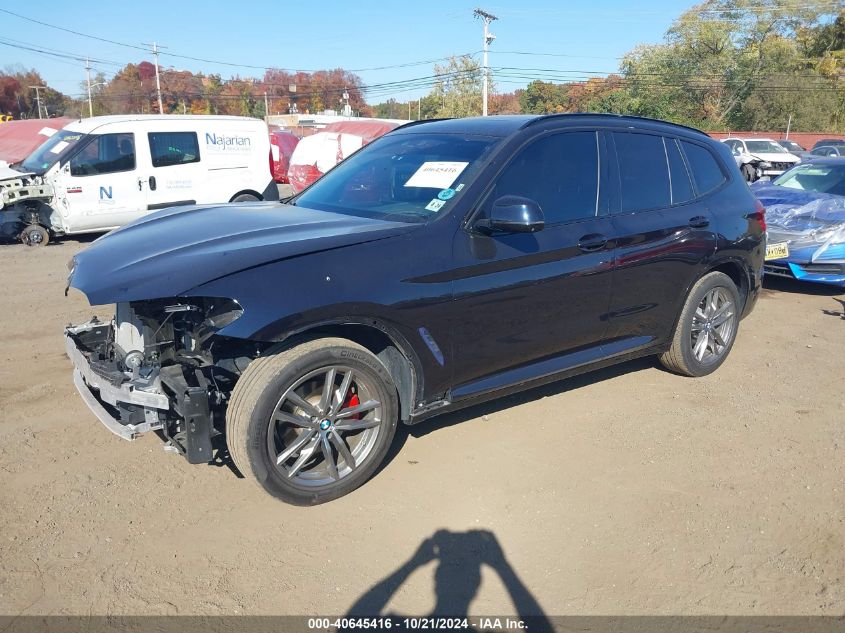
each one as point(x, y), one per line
point(758, 157)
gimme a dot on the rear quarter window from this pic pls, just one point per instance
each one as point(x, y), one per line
point(706, 172)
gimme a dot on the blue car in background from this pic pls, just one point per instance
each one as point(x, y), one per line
point(805, 215)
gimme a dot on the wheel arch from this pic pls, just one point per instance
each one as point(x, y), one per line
point(251, 192)
point(738, 274)
point(387, 344)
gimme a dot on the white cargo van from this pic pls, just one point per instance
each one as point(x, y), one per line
point(97, 174)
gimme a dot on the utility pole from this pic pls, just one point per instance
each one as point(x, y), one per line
point(419, 109)
point(158, 82)
point(38, 99)
point(487, 18)
point(88, 76)
point(788, 126)
point(266, 106)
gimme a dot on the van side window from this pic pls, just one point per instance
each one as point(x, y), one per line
point(173, 148)
point(705, 170)
point(560, 172)
point(105, 154)
point(643, 171)
point(681, 185)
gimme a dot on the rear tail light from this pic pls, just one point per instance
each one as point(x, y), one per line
point(760, 214)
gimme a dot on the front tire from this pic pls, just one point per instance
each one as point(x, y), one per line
point(35, 235)
point(245, 197)
point(707, 327)
point(312, 422)
point(749, 173)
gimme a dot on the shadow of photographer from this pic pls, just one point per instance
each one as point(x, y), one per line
point(459, 556)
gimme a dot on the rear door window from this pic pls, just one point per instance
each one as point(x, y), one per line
point(173, 148)
point(704, 167)
point(643, 171)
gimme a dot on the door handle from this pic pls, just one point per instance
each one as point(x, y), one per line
point(699, 222)
point(152, 182)
point(592, 242)
point(141, 182)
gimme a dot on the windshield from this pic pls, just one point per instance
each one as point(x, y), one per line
point(812, 177)
point(400, 177)
point(791, 145)
point(765, 147)
point(53, 149)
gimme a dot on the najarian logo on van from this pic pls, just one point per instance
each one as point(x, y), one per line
point(227, 142)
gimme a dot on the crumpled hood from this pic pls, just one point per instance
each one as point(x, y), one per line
point(167, 253)
point(7, 173)
point(775, 157)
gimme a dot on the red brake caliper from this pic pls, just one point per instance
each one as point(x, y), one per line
point(352, 401)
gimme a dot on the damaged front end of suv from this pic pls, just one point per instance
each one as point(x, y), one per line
point(160, 366)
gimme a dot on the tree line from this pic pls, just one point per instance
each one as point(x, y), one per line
point(132, 90)
point(722, 65)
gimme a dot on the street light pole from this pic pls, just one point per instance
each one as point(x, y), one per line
point(487, 18)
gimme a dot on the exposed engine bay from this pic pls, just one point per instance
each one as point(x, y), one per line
point(159, 366)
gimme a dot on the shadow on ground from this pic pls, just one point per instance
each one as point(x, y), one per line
point(459, 557)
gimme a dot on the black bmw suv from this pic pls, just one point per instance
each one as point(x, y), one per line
point(447, 263)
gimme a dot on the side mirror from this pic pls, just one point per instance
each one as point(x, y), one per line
point(513, 214)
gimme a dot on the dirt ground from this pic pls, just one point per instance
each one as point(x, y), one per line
point(627, 491)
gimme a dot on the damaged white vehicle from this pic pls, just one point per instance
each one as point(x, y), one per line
point(760, 157)
point(98, 174)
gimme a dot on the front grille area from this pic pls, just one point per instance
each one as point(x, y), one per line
point(823, 269)
point(781, 166)
point(779, 270)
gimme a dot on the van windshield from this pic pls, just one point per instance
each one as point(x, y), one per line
point(400, 177)
point(50, 151)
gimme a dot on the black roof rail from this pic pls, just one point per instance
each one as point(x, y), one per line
point(413, 123)
point(544, 117)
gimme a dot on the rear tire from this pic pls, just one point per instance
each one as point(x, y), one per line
point(707, 327)
point(35, 235)
point(289, 426)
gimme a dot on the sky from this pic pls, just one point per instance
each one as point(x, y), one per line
point(563, 40)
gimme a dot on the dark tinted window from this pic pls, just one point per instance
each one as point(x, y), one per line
point(559, 172)
point(105, 154)
point(681, 185)
point(705, 169)
point(173, 148)
point(643, 171)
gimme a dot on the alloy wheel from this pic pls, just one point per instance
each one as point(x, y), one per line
point(713, 326)
point(324, 426)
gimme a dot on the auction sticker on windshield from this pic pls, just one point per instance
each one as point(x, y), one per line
point(436, 174)
point(777, 251)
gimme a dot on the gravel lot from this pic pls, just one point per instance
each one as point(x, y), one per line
point(627, 491)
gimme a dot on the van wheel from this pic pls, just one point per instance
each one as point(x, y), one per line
point(749, 173)
point(245, 197)
point(311, 423)
point(706, 329)
point(35, 235)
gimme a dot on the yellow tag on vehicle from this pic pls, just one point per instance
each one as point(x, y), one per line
point(777, 251)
